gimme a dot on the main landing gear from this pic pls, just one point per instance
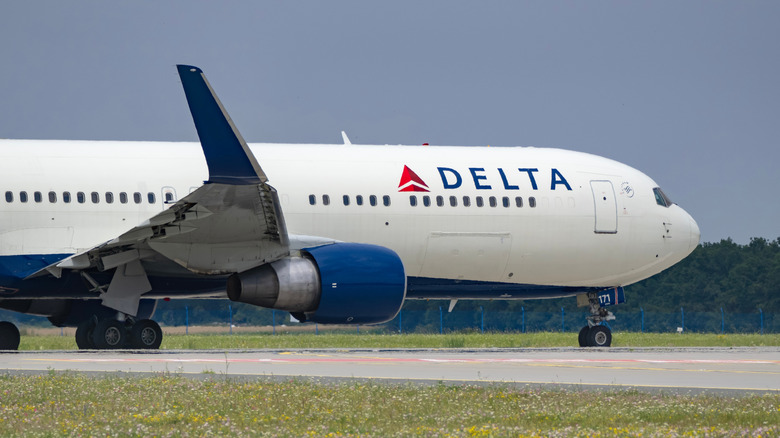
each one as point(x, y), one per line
point(9, 336)
point(94, 334)
point(595, 334)
point(109, 334)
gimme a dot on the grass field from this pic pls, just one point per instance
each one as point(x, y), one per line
point(248, 340)
point(69, 404)
point(168, 405)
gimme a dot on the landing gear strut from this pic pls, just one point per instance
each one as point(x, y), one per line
point(595, 334)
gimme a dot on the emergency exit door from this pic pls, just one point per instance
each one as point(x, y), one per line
point(605, 206)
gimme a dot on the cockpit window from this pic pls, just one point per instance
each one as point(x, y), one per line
point(661, 198)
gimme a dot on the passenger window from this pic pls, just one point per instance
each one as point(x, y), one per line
point(480, 201)
point(453, 201)
point(413, 200)
point(345, 198)
point(109, 197)
point(492, 201)
point(123, 197)
point(427, 201)
point(52, 197)
point(466, 201)
point(151, 198)
point(66, 197)
point(531, 201)
point(23, 196)
point(440, 201)
point(38, 197)
point(386, 200)
point(312, 200)
point(81, 197)
point(359, 199)
point(9, 196)
point(168, 197)
point(137, 197)
point(372, 200)
point(518, 201)
point(505, 201)
point(325, 199)
point(95, 197)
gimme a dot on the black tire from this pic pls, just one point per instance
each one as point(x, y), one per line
point(145, 335)
point(9, 336)
point(84, 335)
point(109, 334)
point(599, 336)
point(583, 336)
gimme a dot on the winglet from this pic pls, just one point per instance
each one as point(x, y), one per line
point(228, 157)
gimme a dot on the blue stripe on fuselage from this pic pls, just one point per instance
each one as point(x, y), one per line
point(17, 267)
point(439, 288)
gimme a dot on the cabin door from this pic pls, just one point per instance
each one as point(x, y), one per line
point(605, 206)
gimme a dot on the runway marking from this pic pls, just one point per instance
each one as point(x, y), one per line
point(695, 370)
point(413, 360)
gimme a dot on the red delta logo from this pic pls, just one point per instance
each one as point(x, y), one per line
point(410, 182)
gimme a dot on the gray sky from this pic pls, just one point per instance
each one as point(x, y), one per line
point(687, 92)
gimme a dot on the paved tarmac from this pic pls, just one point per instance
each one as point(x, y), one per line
point(693, 370)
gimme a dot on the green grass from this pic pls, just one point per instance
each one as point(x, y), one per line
point(452, 340)
point(169, 405)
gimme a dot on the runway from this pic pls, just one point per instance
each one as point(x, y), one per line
point(694, 370)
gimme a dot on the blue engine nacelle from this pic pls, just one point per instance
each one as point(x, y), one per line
point(342, 283)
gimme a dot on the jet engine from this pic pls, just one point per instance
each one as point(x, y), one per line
point(341, 283)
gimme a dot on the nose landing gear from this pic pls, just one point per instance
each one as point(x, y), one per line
point(596, 334)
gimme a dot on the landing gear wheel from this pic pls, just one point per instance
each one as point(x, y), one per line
point(145, 334)
point(109, 334)
point(599, 336)
point(9, 336)
point(84, 335)
point(583, 336)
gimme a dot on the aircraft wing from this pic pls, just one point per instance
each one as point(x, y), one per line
point(230, 224)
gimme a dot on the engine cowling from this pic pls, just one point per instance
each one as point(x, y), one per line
point(342, 283)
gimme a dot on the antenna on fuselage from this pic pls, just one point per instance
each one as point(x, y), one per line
point(346, 139)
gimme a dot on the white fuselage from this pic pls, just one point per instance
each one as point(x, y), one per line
point(595, 222)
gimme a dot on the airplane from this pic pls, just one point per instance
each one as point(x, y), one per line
point(93, 233)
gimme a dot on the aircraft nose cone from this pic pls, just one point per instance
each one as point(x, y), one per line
point(695, 233)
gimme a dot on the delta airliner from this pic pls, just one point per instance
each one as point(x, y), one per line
point(92, 233)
